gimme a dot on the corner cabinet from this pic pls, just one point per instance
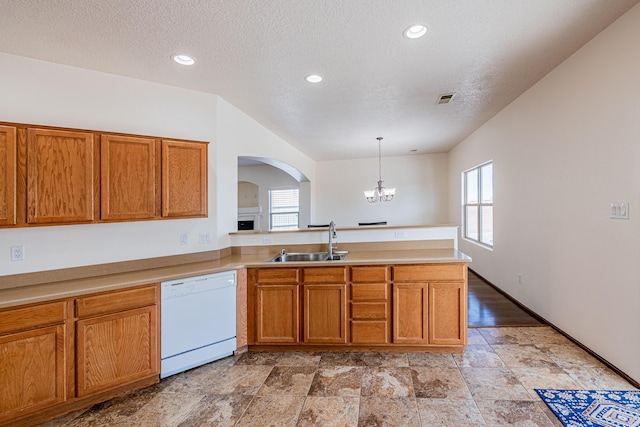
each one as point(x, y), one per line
point(7, 175)
point(68, 354)
point(184, 179)
point(413, 307)
point(60, 176)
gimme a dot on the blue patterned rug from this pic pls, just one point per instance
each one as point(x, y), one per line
point(594, 408)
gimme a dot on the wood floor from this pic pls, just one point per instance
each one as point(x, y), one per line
point(488, 307)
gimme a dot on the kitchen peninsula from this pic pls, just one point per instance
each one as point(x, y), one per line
point(399, 289)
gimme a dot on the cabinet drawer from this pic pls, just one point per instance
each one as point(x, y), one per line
point(17, 319)
point(369, 332)
point(428, 273)
point(369, 274)
point(369, 310)
point(369, 291)
point(277, 275)
point(324, 275)
point(114, 302)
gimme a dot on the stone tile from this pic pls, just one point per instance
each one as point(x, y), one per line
point(115, 411)
point(544, 377)
point(290, 380)
point(478, 356)
point(442, 383)
point(221, 411)
point(329, 412)
point(494, 383)
point(272, 411)
point(513, 413)
point(519, 356)
point(258, 358)
point(598, 378)
point(299, 358)
point(239, 380)
point(380, 411)
point(387, 382)
point(432, 360)
point(475, 338)
point(341, 359)
point(549, 413)
point(165, 409)
point(506, 335)
point(546, 335)
point(338, 381)
point(384, 359)
point(449, 412)
point(569, 356)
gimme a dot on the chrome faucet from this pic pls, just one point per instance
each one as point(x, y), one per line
point(332, 235)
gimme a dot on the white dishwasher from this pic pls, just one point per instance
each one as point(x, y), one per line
point(197, 321)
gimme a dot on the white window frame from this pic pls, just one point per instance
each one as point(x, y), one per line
point(292, 211)
point(479, 205)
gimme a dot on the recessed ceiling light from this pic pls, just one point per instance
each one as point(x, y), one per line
point(415, 31)
point(313, 78)
point(183, 59)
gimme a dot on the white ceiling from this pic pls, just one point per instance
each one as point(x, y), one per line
point(255, 54)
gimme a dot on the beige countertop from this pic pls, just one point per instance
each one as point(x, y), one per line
point(50, 291)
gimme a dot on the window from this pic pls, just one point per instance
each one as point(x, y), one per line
point(478, 204)
point(284, 209)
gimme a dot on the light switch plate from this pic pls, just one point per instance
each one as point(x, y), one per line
point(619, 210)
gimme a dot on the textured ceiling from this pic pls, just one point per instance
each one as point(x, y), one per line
point(255, 54)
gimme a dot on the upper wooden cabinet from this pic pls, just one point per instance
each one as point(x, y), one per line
point(56, 176)
point(128, 177)
point(184, 179)
point(60, 176)
point(7, 175)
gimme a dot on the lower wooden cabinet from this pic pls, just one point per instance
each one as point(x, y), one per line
point(447, 313)
point(32, 372)
point(410, 313)
point(47, 368)
point(277, 318)
point(325, 313)
point(115, 349)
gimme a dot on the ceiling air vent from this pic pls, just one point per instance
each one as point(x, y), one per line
point(445, 98)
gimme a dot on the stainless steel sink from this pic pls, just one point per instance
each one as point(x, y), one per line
point(308, 257)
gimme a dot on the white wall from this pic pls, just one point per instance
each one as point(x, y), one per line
point(562, 153)
point(39, 92)
point(421, 183)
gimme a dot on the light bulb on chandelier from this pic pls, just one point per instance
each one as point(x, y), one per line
point(379, 193)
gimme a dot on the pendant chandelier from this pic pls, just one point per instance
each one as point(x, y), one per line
point(379, 193)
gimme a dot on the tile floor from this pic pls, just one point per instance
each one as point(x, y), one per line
point(490, 384)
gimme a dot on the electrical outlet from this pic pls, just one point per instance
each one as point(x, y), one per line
point(205, 237)
point(184, 238)
point(267, 240)
point(17, 253)
point(401, 234)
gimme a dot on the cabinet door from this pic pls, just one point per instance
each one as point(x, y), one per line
point(7, 175)
point(277, 317)
point(447, 313)
point(116, 349)
point(410, 313)
point(128, 177)
point(32, 372)
point(325, 314)
point(60, 176)
point(184, 179)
